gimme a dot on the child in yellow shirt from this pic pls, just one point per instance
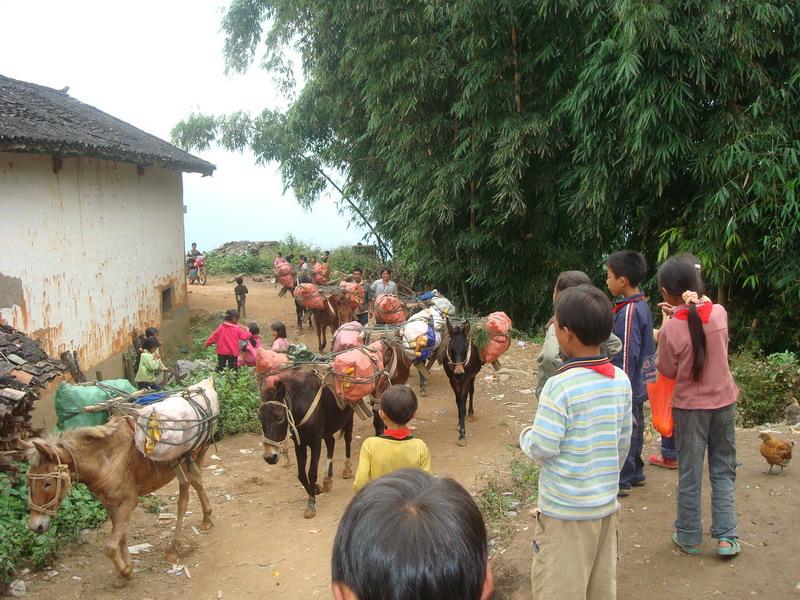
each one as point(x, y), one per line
point(396, 448)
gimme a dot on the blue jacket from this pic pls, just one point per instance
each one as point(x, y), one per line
point(633, 324)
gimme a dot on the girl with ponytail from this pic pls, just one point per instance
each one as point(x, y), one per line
point(693, 350)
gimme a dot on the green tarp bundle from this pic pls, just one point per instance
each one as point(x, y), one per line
point(71, 398)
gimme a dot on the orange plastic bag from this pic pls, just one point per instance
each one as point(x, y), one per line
point(660, 395)
point(322, 273)
point(267, 361)
point(353, 294)
point(355, 372)
point(389, 309)
point(498, 324)
point(284, 273)
point(309, 296)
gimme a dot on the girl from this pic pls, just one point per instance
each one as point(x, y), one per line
point(227, 337)
point(693, 350)
point(549, 358)
point(249, 348)
point(280, 343)
point(150, 365)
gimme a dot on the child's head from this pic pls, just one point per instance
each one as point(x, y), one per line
point(399, 404)
point(232, 315)
point(681, 274)
point(626, 271)
point(151, 332)
point(280, 254)
point(386, 273)
point(583, 314)
point(253, 329)
point(150, 344)
point(278, 329)
point(240, 280)
point(411, 535)
point(568, 279)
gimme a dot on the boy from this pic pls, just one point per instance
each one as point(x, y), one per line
point(396, 448)
point(362, 312)
point(633, 324)
point(580, 434)
point(240, 291)
point(150, 365)
point(410, 535)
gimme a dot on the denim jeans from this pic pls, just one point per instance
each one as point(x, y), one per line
point(668, 447)
point(696, 431)
point(633, 469)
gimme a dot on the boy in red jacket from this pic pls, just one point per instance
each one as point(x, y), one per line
point(227, 337)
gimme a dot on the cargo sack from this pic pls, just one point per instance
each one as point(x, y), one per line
point(444, 306)
point(349, 335)
point(356, 372)
point(498, 326)
point(420, 335)
point(321, 273)
point(660, 396)
point(71, 399)
point(268, 361)
point(284, 273)
point(309, 296)
point(390, 309)
point(353, 295)
point(178, 424)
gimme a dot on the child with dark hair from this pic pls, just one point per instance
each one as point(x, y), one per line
point(693, 350)
point(248, 349)
point(150, 365)
point(409, 535)
point(226, 337)
point(580, 435)
point(396, 448)
point(549, 358)
point(280, 343)
point(240, 292)
point(633, 324)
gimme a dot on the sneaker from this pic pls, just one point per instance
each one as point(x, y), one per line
point(623, 492)
point(658, 460)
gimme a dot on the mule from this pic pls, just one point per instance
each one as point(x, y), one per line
point(302, 312)
point(462, 362)
point(105, 459)
point(325, 319)
point(300, 407)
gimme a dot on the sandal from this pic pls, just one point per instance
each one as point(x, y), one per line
point(691, 550)
point(732, 549)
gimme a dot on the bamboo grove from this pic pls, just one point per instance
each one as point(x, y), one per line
point(490, 144)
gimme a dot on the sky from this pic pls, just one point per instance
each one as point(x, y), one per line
point(151, 64)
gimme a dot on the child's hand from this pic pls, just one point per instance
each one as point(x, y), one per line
point(666, 310)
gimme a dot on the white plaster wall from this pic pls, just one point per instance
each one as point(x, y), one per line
point(93, 246)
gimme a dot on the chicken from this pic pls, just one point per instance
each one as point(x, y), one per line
point(775, 450)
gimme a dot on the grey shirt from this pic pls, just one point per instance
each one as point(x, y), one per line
point(549, 358)
point(379, 288)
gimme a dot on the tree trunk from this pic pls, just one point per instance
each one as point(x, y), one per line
point(517, 73)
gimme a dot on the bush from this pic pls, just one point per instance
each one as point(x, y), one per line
point(236, 263)
point(239, 401)
point(20, 547)
point(765, 386)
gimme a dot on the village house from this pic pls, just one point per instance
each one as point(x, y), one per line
point(92, 226)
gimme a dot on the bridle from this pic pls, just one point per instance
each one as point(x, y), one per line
point(292, 428)
point(62, 476)
point(465, 361)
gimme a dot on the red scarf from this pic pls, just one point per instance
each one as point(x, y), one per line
point(620, 304)
point(704, 310)
point(397, 434)
point(598, 364)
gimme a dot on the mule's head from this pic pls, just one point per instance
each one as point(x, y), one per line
point(49, 482)
point(459, 347)
point(344, 311)
point(274, 422)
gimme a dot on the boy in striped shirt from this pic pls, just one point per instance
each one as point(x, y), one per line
point(581, 435)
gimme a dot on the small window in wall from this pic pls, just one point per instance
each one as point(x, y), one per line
point(166, 302)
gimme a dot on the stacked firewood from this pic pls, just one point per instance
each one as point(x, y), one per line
point(24, 369)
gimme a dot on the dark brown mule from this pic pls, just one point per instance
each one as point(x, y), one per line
point(327, 318)
point(398, 366)
point(462, 362)
point(297, 408)
point(107, 461)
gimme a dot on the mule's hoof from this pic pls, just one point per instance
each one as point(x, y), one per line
point(347, 473)
point(327, 484)
point(123, 580)
point(317, 488)
point(424, 393)
point(470, 418)
point(462, 441)
point(172, 556)
point(206, 525)
point(310, 513)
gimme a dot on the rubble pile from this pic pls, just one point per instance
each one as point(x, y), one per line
point(246, 247)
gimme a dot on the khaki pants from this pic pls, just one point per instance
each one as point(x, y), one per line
point(576, 560)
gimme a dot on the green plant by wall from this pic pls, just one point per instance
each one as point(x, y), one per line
point(239, 401)
point(766, 385)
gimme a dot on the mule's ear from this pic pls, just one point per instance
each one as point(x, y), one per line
point(47, 451)
point(465, 327)
point(449, 326)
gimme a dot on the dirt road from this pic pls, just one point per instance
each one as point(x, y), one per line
point(261, 547)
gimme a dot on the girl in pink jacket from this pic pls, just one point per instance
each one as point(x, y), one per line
point(227, 337)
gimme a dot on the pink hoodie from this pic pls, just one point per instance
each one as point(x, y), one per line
point(227, 337)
